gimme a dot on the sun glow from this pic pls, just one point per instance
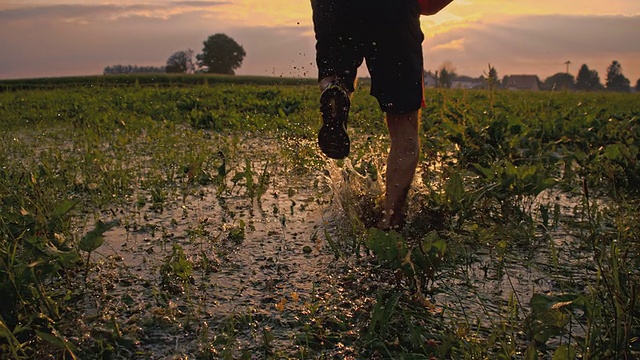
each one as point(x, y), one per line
point(279, 37)
point(270, 14)
point(456, 44)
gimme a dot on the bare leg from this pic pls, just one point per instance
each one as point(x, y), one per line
point(401, 165)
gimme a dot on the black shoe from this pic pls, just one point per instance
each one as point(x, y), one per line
point(332, 137)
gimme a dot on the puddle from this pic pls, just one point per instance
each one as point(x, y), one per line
point(257, 259)
point(495, 287)
point(263, 265)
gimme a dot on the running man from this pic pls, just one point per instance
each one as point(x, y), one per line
point(387, 34)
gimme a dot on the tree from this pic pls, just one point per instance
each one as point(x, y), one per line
point(221, 55)
point(588, 79)
point(492, 78)
point(181, 62)
point(559, 81)
point(447, 74)
point(615, 80)
point(638, 85)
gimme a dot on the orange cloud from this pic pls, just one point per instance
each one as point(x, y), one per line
point(269, 13)
point(456, 44)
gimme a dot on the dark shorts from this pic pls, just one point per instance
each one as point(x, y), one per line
point(385, 33)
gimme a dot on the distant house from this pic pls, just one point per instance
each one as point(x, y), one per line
point(521, 82)
point(430, 79)
point(466, 82)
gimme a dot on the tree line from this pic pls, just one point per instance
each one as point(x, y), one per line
point(223, 55)
point(589, 80)
point(220, 55)
point(586, 80)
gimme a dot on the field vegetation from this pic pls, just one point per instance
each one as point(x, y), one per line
point(194, 217)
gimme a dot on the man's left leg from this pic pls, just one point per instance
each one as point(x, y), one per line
point(338, 57)
point(401, 165)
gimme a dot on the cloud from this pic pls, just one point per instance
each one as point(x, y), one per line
point(455, 44)
point(282, 51)
point(542, 43)
point(60, 40)
point(87, 13)
point(62, 48)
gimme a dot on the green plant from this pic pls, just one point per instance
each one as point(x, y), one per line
point(176, 272)
point(94, 239)
point(520, 196)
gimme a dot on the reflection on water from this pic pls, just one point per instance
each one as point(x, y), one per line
point(248, 254)
point(263, 263)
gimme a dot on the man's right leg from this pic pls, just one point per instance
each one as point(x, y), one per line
point(401, 165)
point(395, 63)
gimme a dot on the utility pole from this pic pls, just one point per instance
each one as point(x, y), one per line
point(568, 62)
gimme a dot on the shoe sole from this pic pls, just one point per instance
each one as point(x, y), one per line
point(332, 137)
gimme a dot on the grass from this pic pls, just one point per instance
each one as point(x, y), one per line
point(181, 219)
point(146, 80)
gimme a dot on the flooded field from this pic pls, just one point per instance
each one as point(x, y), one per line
point(224, 259)
point(184, 223)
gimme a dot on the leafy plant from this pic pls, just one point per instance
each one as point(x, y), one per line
point(94, 239)
point(517, 191)
point(176, 272)
point(418, 263)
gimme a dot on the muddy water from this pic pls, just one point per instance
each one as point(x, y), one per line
point(492, 289)
point(262, 265)
point(256, 262)
point(489, 285)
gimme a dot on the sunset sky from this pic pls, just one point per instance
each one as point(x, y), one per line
point(46, 38)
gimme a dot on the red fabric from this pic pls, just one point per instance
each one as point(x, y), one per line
point(423, 104)
point(430, 7)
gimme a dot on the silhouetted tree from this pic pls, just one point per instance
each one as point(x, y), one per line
point(588, 79)
point(221, 55)
point(444, 80)
point(560, 81)
point(181, 62)
point(447, 74)
point(492, 78)
point(615, 80)
point(638, 85)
